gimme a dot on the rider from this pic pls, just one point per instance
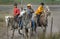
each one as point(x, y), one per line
point(38, 12)
point(20, 18)
point(29, 10)
point(16, 12)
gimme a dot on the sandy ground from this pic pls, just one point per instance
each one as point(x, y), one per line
point(55, 10)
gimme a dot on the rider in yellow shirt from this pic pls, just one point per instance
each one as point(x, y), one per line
point(38, 12)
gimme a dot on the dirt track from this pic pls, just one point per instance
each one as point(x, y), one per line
point(55, 10)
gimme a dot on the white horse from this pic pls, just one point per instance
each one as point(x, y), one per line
point(14, 25)
point(10, 23)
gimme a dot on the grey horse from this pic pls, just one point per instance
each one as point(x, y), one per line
point(10, 23)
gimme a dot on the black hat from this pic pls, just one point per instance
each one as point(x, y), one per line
point(15, 4)
point(42, 3)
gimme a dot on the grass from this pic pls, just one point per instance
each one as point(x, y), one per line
point(55, 36)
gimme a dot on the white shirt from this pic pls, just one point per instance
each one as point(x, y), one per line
point(21, 13)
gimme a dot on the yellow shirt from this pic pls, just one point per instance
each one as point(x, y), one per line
point(39, 10)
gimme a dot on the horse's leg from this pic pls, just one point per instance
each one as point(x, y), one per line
point(13, 33)
point(7, 31)
point(8, 28)
point(44, 29)
point(26, 33)
point(19, 31)
point(31, 31)
point(44, 32)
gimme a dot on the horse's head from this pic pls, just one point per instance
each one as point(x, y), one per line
point(7, 19)
point(47, 10)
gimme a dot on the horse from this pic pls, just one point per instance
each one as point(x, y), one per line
point(44, 17)
point(10, 22)
point(43, 20)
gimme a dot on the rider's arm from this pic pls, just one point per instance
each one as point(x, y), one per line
point(18, 12)
point(32, 11)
